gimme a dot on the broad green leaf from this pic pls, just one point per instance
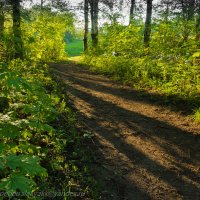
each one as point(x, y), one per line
point(3, 147)
point(27, 164)
point(8, 130)
point(40, 126)
point(2, 163)
point(16, 182)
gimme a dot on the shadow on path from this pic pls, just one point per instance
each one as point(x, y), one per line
point(141, 153)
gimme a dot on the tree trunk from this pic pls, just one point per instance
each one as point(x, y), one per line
point(41, 4)
point(132, 11)
point(86, 12)
point(94, 19)
point(167, 13)
point(2, 19)
point(18, 44)
point(198, 23)
point(191, 10)
point(188, 9)
point(147, 30)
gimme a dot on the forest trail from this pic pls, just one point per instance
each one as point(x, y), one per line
point(143, 149)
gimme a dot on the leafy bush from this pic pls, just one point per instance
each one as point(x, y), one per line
point(45, 41)
point(34, 141)
point(40, 149)
point(170, 64)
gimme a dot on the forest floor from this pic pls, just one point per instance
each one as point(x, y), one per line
point(143, 149)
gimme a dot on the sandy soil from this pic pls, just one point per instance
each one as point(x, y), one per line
point(144, 150)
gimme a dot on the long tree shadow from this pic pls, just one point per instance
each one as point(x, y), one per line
point(174, 102)
point(185, 188)
point(171, 139)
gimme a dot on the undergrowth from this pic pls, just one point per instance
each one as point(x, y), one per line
point(170, 66)
point(42, 156)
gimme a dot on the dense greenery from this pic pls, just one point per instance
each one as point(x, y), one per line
point(170, 65)
point(44, 41)
point(159, 53)
point(41, 154)
point(37, 126)
point(75, 47)
point(41, 40)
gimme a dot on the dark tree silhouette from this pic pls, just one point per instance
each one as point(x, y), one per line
point(132, 8)
point(2, 19)
point(18, 44)
point(86, 16)
point(147, 30)
point(94, 9)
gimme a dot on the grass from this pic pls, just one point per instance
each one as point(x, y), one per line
point(77, 59)
point(74, 48)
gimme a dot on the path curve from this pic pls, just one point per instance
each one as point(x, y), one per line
point(143, 150)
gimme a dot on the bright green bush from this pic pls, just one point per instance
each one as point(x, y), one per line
point(44, 34)
point(39, 144)
point(170, 64)
point(37, 134)
point(19, 156)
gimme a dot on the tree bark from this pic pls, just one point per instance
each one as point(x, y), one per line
point(2, 19)
point(147, 30)
point(191, 10)
point(167, 12)
point(198, 23)
point(18, 44)
point(86, 16)
point(188, 9)
point(41, 4)
point(94, 5)
point(132, 8)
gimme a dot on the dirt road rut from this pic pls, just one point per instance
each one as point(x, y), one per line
point(143, 150)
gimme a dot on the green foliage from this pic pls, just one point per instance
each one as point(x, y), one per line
point(45, 41)
point(170, 64)
point(42, 41)
point(74, 48)
point(37, 133)
point(197, 115)
point(16, 182)
point(40, 150)
point(26, 165)
point(19, 159)
point(125, 41)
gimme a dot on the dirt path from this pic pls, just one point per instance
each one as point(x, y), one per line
point(143, 150)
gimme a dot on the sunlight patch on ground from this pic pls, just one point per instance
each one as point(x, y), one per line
point(76, 59)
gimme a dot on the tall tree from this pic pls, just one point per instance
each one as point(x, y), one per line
point(191, 9)
point(188, 9)
point(198, 22)
point(147, 30)
point(86, 16)
point(94, 8)
point(2, 19)
point(132, 8)
point(113, 13)
point(59, 5)
point(42, 4)
point(18, 44)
